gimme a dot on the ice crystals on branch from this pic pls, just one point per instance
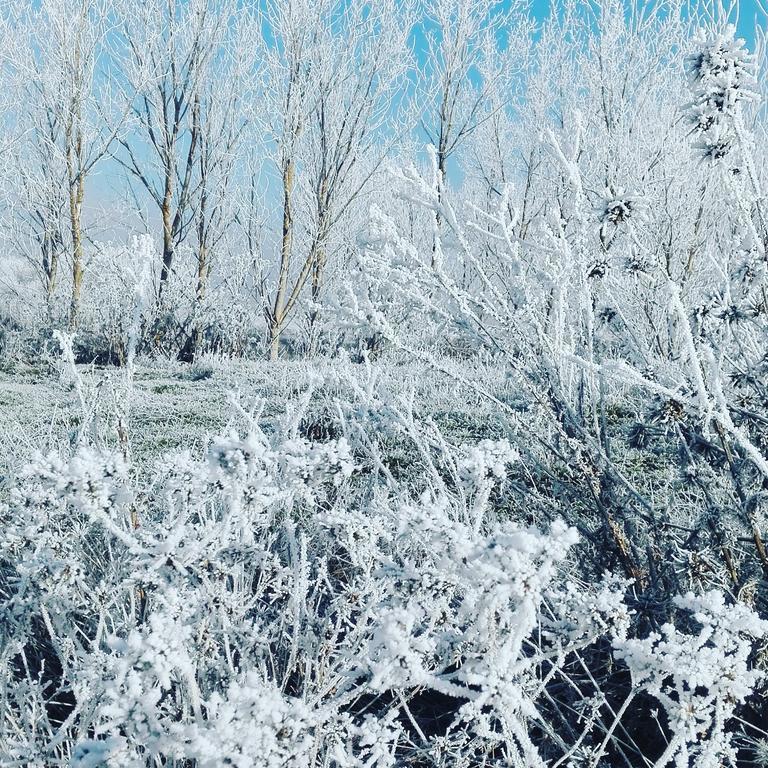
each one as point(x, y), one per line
point(99, 753)
point(254, 725)
point(487, 459)
point(618, 208)
point(721, 76)
point(253, 461)
point(699, 676)
point(722, 72)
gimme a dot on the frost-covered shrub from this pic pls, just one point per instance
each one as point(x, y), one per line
point(699, 677)
point(722, 78)
point(617, 284)
point(279, 602)
point(252, 725)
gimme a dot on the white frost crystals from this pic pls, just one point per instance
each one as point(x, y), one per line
point(281, 603)
point(699, 676)
point(254, 725)
point(722, 78)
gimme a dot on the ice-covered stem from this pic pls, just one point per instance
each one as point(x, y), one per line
point(87, 409)
point(598, 755)
point(724, 418)
point(66, 341)
point(569, 164)
point(142, 245)
point(570, 167)
point(704, 402)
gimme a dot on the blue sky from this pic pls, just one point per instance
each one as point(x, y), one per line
point(110, 176)
point(749, 10)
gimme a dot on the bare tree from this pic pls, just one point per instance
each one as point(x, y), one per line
point(463, 38)
point(35, 179)
point(332, 75)
point(222, 119)
point(70, 120)
point(40, 213)
point(170, 45)
point(287, 85)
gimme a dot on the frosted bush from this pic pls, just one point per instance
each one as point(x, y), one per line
point(582, 614)
point(722, 77)
point(402, 648)
point(100, 753)
point(699, 677)
point(618, 209)
point(252, 726)
point(312, 465)
point(279, 602)
point(486, 459)
point(722, 71)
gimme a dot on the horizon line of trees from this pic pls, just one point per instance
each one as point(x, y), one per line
point(250, 143)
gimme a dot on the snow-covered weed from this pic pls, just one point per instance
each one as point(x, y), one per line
point(279, 602)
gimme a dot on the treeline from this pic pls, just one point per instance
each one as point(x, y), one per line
point(254, 144)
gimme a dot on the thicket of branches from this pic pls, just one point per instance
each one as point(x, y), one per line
point(586, 581)
point(347, 585)
point(254, 146)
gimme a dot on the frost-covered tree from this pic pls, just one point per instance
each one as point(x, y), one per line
point(166, 69)
point(68, 118)
point(331, 79)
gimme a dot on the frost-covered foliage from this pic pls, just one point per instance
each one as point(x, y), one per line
point(504, 500)
point(722, 77)
point(282, 602)
point(620, 284)
point(699, 677)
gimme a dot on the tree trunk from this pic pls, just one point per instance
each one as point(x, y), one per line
point(76, 194)
point(441, 162)
point(77, 276)
point(166, 215)
point(318, 265)
point(203, 270)
point(50, 268)
point(318, 257)
point(274, 344)
point(278, 311)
